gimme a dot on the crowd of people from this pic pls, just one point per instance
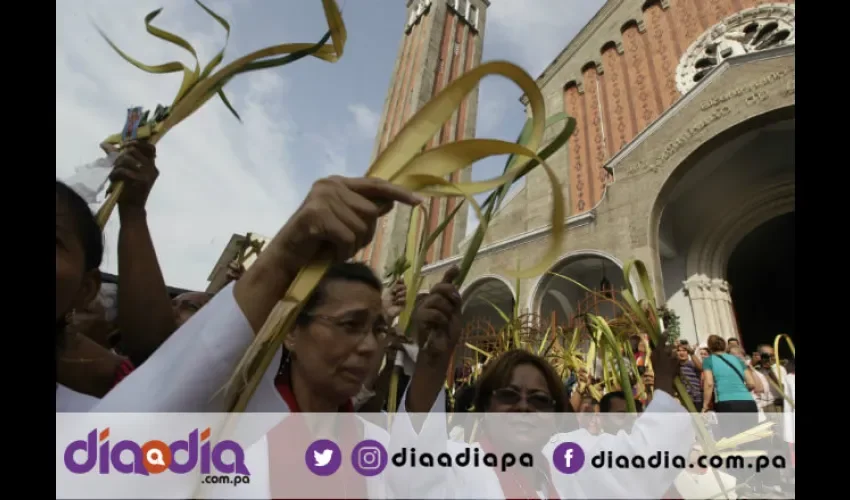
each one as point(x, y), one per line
point(158, 354)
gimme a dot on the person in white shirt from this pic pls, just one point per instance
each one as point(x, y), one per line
point(526, 400)
point(186, 373)
point(664, 427)
point(327, 358)
point(789, 412)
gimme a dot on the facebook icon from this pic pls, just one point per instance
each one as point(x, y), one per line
point(568, 458)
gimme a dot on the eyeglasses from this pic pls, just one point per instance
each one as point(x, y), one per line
point(353, 328)
point(536, 400)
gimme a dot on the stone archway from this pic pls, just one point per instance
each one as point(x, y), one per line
point(480, 317)
point(734, 184)
point(761, 274)
point(480, 297)
point(594, 269)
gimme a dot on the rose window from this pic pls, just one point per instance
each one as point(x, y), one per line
point(752, 30)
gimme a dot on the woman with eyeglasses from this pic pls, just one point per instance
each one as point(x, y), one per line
point(327, 358)
point(327, 353)
point(521, 403)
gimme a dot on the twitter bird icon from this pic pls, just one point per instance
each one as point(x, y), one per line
point(323, 457)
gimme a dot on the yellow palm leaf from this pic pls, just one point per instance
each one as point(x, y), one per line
point(404, 163)
point(199, 86)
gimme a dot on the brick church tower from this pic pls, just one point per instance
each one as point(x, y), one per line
point(442, 39)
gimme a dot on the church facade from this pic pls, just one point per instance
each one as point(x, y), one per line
point(683, 157)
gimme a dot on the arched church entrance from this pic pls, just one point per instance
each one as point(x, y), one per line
point(712, 203)
point(761, 283)
point(484, 298)
point(563, 300)
point(485, 301)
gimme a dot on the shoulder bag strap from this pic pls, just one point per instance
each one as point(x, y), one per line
point(741, 375)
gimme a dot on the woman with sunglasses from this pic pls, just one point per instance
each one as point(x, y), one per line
point(520, 389)
point(521, 402)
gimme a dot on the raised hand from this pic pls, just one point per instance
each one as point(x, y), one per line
point(583, 378)
point(136, 168)
point(395, 298)
point(336, 219)
point(437, 321)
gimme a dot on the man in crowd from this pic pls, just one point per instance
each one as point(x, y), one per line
point(732, 342)
point(765, 366)
point(771, 403)
point(690, 369)
point(618, 418)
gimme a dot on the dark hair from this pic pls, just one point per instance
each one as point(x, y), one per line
point(356, 272)
point(634, 342)
point(605, 402)
point(498, 372)
point(589, 399)
point(732, 339)
point(763, 345)
point(91, 237)
point(716, 344)
point(464, 398)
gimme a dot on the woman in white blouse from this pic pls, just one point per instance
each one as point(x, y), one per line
point(527, 399)
point(336, 219)
point(326, 360)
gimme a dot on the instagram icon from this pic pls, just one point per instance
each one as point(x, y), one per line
point(369, 458)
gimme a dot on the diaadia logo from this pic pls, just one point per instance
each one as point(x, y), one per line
point(155, 457)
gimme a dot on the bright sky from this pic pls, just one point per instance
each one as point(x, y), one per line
point(301, 122)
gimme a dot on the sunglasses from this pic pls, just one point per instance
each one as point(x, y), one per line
point(537, 400)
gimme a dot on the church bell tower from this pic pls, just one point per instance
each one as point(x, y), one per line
point(441, 40)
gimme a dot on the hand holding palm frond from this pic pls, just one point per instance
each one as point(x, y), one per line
point(201, 85)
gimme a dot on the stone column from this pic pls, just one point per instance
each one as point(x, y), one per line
point(725, 312)
point(712, 307)
point(697, 293)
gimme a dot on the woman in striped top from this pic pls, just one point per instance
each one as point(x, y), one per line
point(690, 369)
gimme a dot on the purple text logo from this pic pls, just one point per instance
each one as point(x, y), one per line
point(154, 457)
